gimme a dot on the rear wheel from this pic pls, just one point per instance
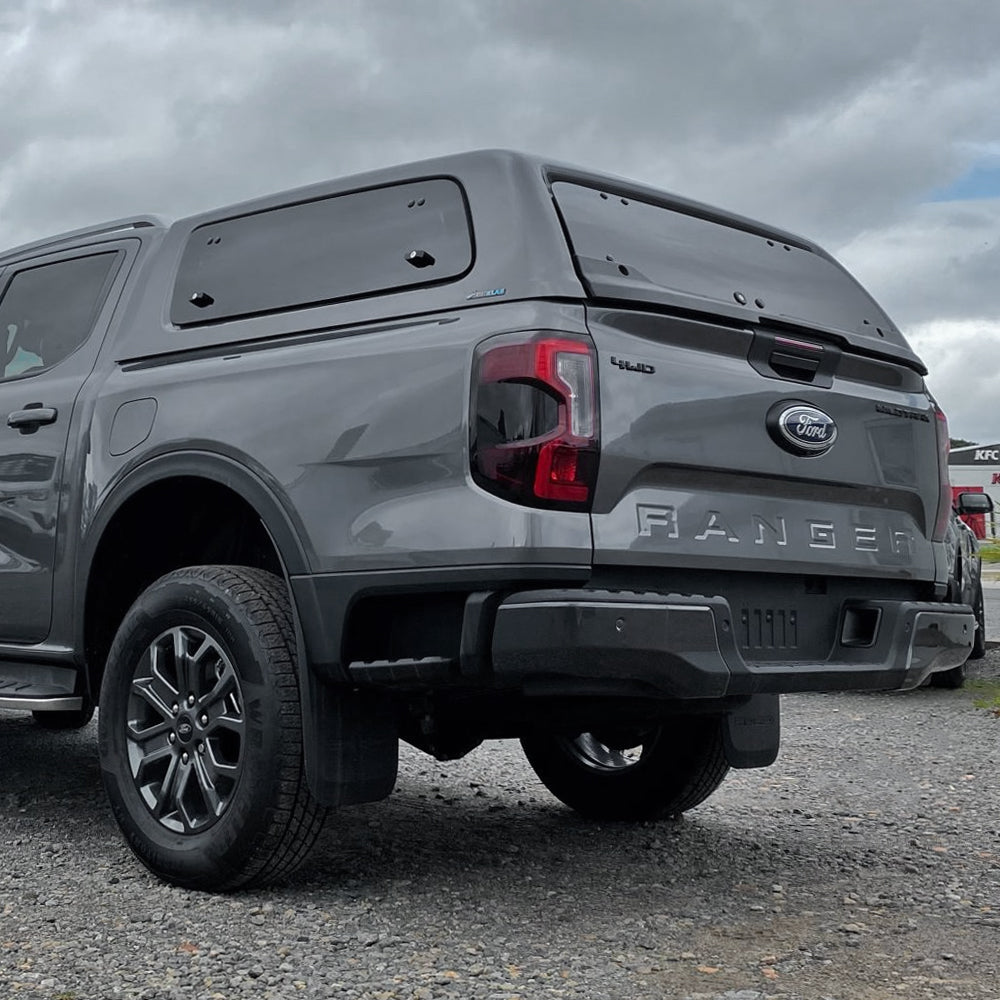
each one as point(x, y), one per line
point(979, 641)
point(953, 678)
point(200, 730)
point(661, 771)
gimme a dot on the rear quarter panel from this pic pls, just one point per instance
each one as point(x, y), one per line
point(360, 432)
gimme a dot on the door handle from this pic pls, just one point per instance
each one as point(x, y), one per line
point(28, 420)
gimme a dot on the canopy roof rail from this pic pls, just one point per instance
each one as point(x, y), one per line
point(118, 225)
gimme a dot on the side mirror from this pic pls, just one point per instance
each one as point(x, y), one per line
point(973, 503)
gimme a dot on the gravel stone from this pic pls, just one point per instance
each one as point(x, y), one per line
point(864, 864)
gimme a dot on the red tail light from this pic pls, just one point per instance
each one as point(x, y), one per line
point(535, 436)
point(944, 498)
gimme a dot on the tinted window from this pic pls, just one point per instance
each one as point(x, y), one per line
point(47, 312)
point(632, 249)
point(350, 245)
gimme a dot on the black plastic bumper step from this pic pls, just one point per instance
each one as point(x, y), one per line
point(425, 670)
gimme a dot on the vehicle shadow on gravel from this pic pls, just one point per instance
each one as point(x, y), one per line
point(46, 769)
point(509, 845)
point(442, 825)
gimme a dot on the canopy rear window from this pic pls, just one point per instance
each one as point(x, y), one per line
point(350, 245)
point(627, 248)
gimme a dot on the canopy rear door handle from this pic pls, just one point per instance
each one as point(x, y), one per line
point(28, 420)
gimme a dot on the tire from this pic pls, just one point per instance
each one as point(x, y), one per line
point(72, 719)
point(659, 772)
point(200, 731)
point(953, 679)
point(979, 641)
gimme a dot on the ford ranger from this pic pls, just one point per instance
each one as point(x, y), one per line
point(484, 447)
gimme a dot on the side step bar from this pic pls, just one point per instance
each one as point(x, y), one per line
point(39, 689)
point(73, 704)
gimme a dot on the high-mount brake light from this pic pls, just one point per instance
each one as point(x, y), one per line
point(944, 497)
point(535, 437)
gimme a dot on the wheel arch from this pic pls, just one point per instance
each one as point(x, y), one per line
point(172, 505)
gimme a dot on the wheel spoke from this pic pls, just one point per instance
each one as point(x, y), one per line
point(144, 687)
point(182, 807)
point(153, 760)
point(182, 662)
point(224, 685)
point(205, 646)
point(166, 795)
point(158, 670)
point(217, 764)
point(225, 724)
point(144, 735)
point(598, 752)
point(212, 798)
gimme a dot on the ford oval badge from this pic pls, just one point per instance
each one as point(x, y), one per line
point(802, 429)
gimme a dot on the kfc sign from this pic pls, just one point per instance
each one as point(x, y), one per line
point(988, 454)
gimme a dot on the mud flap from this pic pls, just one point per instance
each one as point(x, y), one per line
point(752, 733)
point(350, 741)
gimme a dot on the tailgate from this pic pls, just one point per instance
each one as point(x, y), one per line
point(753, 449)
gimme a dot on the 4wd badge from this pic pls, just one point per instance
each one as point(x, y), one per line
point(802, 429)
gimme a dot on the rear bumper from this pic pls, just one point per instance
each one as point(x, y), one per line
point(682, 646)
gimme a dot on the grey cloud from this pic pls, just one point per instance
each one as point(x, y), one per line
point(822, 113)
point(940, 262)
point(833, 118)
point(935, 272)
point(964, 360)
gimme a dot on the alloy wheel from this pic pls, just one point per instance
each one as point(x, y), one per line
point(185, 729)
point(591, 751)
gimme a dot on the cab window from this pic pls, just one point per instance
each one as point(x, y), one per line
point(47, 311)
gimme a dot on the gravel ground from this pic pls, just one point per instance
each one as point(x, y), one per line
point(864, 865)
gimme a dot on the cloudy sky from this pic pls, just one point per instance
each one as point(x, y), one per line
point(870, 126)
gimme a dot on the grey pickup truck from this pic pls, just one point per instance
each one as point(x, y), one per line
point(484, 447)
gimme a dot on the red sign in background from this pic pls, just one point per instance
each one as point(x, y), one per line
point(975, 521)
